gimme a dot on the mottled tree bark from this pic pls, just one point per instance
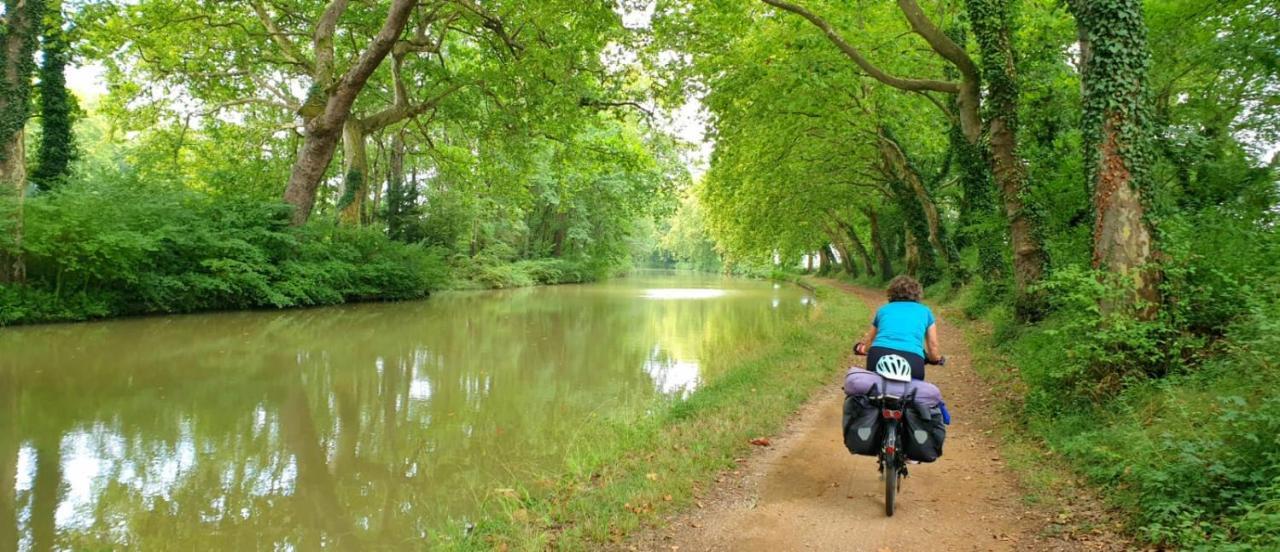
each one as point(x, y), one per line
point(1117, 144)
point(993, 27)
point(20, 29)
point(13, 180)
point(355, 170)
point(331, 104)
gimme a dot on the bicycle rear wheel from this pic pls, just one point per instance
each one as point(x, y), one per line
point(890, 485)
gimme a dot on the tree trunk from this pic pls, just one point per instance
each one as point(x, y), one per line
point(911, 252)
point(892, 152)
point(396, 196)
point(992, 22)
point(323, 128)
point(1117, 144)
point(825, 260)
point(13, 176)
point(57, 143)
point(978, 217)
point(877, 242)
point(308, 169)
point(20, 30)
point(355, 170)
point(846, 262)
point(859, 247)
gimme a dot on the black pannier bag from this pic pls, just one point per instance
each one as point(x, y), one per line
point(924, 433)
point(863, 429)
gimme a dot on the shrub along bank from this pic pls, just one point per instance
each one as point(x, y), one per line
point(629, 470)
point(102, 250)
point(1191, 455)
point(116, 247)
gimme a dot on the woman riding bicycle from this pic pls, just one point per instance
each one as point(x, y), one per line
point(903, 327)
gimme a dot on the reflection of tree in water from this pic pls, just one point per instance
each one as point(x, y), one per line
point(360, 426)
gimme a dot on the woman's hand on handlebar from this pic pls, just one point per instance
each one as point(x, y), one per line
point(940, 361)
point(859, 349)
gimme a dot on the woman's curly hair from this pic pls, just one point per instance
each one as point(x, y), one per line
point(905, 288)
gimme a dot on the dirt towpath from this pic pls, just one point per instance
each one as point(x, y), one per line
point(806, 492)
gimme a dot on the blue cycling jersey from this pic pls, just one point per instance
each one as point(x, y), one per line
point(901, 325)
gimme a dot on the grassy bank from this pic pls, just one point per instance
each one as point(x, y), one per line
point(628, 471)
point(1191, 459)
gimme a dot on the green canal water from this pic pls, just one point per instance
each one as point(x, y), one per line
point(359, 426)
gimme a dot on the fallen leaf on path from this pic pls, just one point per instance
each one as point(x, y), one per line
point(760, 441)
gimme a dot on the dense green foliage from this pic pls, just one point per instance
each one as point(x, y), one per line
point(113, 248)
point(467, 163)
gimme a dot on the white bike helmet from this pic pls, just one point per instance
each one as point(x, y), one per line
point(894, 367)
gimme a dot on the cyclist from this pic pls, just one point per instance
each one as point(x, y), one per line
point(903, 327)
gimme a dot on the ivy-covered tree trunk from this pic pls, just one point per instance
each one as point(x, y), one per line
point(859, 247)
point(355, 170)
point(825, 259)
point(911, 252)
point(992, 22)
point(400, 195)
point(57, 144)
point(847, 263)
point(1117, 135)
point(979, 221)
point(877, 243)
point(21, 29)
point(919, 247)
point(905, 172)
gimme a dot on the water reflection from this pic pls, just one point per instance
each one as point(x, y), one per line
point(353, 427)
point(683, 293)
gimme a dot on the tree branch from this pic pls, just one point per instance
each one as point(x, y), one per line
point(852, 53)
point(939, 41)
point(282, 40)
point(323, 42)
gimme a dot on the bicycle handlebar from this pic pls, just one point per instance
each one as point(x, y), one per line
point(942, 360)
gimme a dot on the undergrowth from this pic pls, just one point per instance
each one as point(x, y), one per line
point(1185, 441)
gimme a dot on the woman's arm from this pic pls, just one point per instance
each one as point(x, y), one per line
point(867, 339)
point(932, 352)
